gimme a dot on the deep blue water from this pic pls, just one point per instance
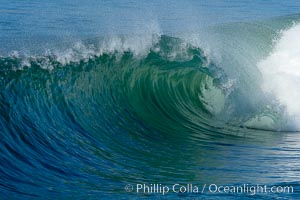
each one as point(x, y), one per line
point(97, 95)
point(23, 23)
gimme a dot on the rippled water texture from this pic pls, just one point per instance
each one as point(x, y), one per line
point(128, 100)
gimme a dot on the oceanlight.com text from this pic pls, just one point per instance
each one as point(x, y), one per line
point(157, 188)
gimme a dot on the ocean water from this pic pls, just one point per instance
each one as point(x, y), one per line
point(149, 99)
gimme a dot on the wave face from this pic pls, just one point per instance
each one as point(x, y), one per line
point(88, 120)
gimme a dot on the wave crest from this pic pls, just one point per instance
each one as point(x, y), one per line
point(281, 73)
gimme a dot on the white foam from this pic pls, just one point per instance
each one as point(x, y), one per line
point(138, 43)
point(281, 72)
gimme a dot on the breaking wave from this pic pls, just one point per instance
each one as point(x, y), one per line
point(75, 115)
